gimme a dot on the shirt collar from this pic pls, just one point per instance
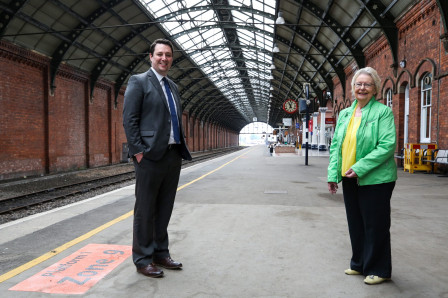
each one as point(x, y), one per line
point(159, 76)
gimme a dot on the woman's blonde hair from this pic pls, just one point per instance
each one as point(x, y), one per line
point(372, 73)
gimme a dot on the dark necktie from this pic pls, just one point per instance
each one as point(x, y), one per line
point(174, 120)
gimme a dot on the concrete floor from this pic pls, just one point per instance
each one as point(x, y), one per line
point(257, 226)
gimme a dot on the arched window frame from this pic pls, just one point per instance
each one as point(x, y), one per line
point(425, 108)
point(389, 98)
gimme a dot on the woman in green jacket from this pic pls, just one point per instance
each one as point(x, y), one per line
point(362, 157)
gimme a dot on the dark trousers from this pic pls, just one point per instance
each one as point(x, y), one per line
point(368, 217)
point(155, 191)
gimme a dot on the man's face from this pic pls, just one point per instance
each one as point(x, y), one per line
point(162, 59)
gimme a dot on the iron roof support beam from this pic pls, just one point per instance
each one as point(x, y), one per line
point(334, 25)
point(99, 67)
point(124, 75)
point(9, 13)
point(377, 9)
point(443, 8)
point(216, 6)
point(60, 52)
point(231, 35)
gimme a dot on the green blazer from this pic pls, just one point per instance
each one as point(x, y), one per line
point(375, 145)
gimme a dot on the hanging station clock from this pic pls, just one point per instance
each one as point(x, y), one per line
point(290, 106)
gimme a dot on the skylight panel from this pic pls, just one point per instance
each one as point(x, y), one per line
point(163, 11)
point(222, 54)
point(208, 47)
point(239, 17)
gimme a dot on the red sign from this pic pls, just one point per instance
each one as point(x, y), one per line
point(330, 121)
point(310, 125)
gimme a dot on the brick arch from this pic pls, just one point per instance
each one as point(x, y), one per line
point(388, 82)
point(401, 80)
point(341, 104)
point(426, 65)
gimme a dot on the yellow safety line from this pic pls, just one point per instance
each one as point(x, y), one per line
point(61, 248)
point(211, 172)
point(86, 236)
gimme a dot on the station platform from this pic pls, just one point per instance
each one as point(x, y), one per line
point(247, 224)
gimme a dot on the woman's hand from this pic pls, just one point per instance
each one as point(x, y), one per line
point(332, 187)
point(350, 174)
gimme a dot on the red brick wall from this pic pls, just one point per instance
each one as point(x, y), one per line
point(201, 136)
point(207, 135)
point(420, 45)
point(119, 137)
point(443, 111)
point(100, 136)
point(22, 111)
point(46, 132)
point(212, 136)
point(195, 136)
point(185, 125)
point(67, 124)
point(191, 133)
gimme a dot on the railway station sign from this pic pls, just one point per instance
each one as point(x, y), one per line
point(330, 121)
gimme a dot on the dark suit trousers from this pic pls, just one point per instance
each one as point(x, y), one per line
point(155, 191)
point(368, 217)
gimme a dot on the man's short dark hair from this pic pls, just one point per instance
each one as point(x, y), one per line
point(160, 41)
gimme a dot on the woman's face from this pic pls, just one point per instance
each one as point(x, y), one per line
point(364, 88)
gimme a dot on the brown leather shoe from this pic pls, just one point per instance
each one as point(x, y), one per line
point(168, 263)
point(150, 270)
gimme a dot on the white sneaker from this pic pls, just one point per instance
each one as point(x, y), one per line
point(352, 272)
point(374, 279)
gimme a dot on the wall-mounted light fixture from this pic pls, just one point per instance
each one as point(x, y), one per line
point(403, 63)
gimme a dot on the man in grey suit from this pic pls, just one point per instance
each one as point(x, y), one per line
point(152, 120)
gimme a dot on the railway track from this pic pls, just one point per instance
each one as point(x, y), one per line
point(53, 194)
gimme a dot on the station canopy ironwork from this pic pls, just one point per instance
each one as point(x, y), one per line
point(235, 61)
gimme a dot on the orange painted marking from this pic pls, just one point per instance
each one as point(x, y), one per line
point(78, 272)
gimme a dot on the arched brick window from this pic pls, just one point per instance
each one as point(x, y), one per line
point(425, 112)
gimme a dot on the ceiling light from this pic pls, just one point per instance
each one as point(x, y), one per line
point(280, 20)
point(271, 77)
point(275, 49)
point(272, 66)
point(272, 88)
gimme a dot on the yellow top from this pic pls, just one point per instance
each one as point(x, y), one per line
point(349, 145)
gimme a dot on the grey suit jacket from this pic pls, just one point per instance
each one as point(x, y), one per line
point(147, 119)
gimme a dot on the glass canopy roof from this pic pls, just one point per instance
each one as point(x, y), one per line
point(226, 66)
point(234, 51)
